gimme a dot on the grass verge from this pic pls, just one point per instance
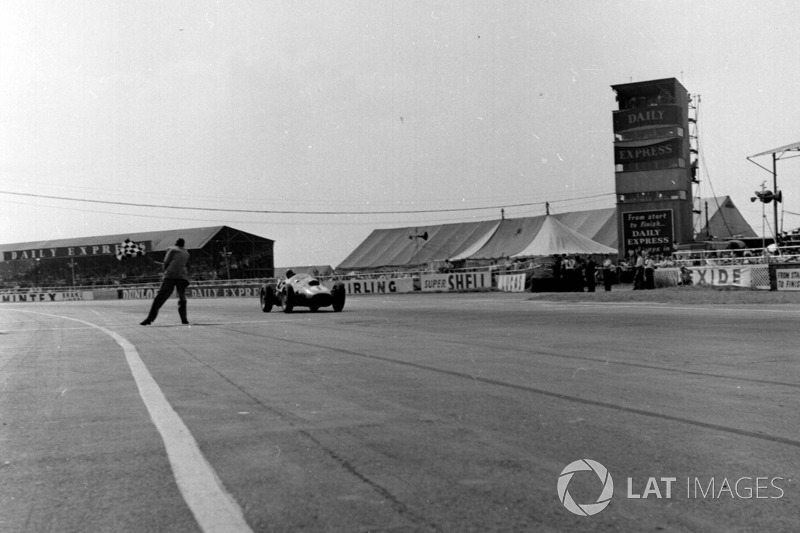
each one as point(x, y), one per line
point(684, 295)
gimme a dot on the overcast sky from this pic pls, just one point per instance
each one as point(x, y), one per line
point(367, 106)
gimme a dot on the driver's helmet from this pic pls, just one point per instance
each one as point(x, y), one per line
point(289, 273)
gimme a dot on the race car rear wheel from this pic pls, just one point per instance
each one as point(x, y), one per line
point(287, 299)
point(338, 292)
point(267, 298)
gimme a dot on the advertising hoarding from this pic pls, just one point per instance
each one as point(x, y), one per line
point(662, 115)
point(650, 231)
point(669, 149)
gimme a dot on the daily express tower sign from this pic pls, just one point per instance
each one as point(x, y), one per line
point(653, 167)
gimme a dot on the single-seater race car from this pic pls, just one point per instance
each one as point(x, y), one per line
point(301, 290)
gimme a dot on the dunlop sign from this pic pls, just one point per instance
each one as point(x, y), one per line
point(456, 282)
point(196, 291)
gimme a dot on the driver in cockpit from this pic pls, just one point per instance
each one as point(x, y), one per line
point(286, 277)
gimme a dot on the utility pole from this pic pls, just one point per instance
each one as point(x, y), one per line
point(775, 191)
point(72, 264)
point(226, 254)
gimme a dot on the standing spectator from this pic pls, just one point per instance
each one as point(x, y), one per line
point(579, 281)
point(649, 272)
point(686, 276)
point(557, 271)
point(591, 269)
point(569, 274)
point(607, 265)
point(638, 275)
point(175, 277)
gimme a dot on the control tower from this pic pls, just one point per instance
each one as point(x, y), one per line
point(653, 166)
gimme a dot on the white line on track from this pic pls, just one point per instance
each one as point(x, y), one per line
point(747, 308)
point(137, 326)
point(213, 507)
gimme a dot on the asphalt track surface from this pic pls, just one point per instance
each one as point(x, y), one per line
point(401, 413)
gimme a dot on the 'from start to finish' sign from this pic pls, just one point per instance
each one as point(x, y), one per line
point(649, 231)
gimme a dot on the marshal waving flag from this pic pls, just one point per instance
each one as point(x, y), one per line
point(128, 248)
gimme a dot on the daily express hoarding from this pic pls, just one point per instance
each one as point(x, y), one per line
point(92, 250)
point(651, 231)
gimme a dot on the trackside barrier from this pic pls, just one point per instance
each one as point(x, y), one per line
point(34, 295)
point(374, 286)
point(218, 290)
point(355, 285)
point(745, 276)
point(511, 282)
point(456, 282)
point(780, 276)
point(785, 277)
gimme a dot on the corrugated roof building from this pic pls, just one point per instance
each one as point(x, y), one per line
point(217, 251)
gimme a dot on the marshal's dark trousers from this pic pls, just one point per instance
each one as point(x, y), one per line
point(164, 292)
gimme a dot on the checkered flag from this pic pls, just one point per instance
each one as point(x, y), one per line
point(128, 248)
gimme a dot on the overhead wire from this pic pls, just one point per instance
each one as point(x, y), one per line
point(162, 195)
point(417, 222)
point(702, 158)
point(285, 211)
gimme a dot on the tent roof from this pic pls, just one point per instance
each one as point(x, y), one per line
point(788, 148)
point(195, 238)
point(598, 224)
point(725, 221)
point(314, 270)
point(554, 237)
point(477, 245)
point(406, 246)
point(511, 237)
point(398, 247)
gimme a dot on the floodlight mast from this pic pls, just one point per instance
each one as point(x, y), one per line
point(762, 197)
point(782, 150)
point(775, 204)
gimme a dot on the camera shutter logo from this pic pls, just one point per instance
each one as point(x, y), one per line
point(587, 509)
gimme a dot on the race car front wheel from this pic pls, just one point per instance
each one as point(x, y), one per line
point(267, 298)
point(338, 292)
point(287, 299)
